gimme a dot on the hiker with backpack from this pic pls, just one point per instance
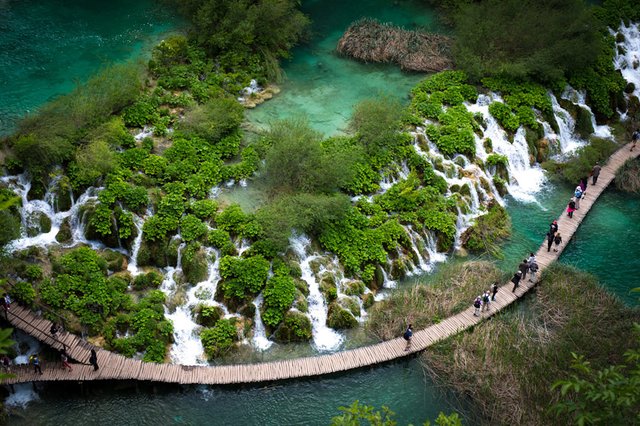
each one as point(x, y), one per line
point(486, 301)
point(578, 195)
point(407, 336)
point(477, 304)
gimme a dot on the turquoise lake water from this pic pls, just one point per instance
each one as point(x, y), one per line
point(324, 87)
point(46, 46)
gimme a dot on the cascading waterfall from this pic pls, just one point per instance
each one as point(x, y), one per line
point(260, 340)
point(525, 180)
point(32, 210)
point(324, 338)
point(579, 98)
point(627, 58)
point(138, 222)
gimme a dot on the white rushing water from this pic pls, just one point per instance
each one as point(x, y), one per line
point(132, 267)
point(22, 394)
point(627, 58)
point(324, 338)
point(32, 210)
point(260, 340)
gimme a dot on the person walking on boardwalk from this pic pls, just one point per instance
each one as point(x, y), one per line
point(477, 304)
point(93, 360)
point(578, 195)
point(6, 363)
point(524, 268)
point(65, 360)
point(54, 330)
point(558, 240)
point(533, 268)
point(550, 236)
point(595, 172)
point(408, 334)
point(584, 182)
point(35, 361)
point(494, 289)
point(553, 227)
point(571, 207)
point(635, 137)
point(486, 301)
point(516, 280)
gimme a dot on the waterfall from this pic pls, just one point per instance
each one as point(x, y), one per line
point(147, 131)
point(259, 340)
point(627, 58)
point(32, 210)
point(137, 242)
point(579, 98)
point(324, 338)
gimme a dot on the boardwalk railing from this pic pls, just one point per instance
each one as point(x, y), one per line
point(117, 367)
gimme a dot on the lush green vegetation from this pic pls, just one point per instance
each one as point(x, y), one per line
point(531, 348)
point(488, 231)
point(609, 395)
point(579, 165)
point(357, 413)
point(242, 34)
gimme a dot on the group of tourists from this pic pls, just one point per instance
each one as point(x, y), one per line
point(483, 302)
point(34, 360)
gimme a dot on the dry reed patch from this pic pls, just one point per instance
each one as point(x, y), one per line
point(371, 41)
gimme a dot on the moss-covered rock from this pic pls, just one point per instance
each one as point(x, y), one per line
point(116, 261)
point(302, 286)
point(367, 300)
point(354, 288)
point(296, 327)
point(194, 263)
point(207, 315)
point(328, 286)
point(398, 269)
point(488, 231)
point(64, 235)
point(351, 305)
point(584, 126)
point(301, 303)
point(339, 318)
point(247, 310)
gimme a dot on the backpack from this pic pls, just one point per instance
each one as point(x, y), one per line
point(533, 267)
point(485, 298)
point(476, 303)
point(407, 334)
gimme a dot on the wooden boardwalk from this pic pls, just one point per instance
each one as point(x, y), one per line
point(117, 367)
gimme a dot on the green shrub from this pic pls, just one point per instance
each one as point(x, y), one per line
point(208, 315)
point(192, 228)
point(279, 295)
point(218, 339)
point(243, 277)
point(23, 292)
point(296, 327)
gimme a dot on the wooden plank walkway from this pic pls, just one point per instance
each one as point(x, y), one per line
point(117, 367)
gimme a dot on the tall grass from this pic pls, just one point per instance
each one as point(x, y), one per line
point(453, 290)
point(628, 176)
point(507, 365)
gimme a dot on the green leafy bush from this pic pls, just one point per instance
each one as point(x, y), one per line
point(218, 339)
point(23, 292)
point(192, 228)
point(243, 277)
point(279, 295)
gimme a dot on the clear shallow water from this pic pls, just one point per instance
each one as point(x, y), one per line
point(323, 86)
point(401, 386)
point(607, 243)
point(47, 47)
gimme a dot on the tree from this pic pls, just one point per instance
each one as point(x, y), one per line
point(238, 30)
point(298, 162)
point(610, 395)
point(539, 39)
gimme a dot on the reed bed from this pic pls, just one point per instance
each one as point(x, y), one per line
point(368, 40)
point(507, 365)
